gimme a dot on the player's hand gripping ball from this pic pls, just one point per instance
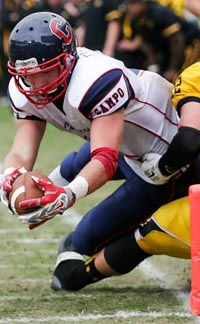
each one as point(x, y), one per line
point(24, 188)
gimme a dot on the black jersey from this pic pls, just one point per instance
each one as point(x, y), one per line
point(159, 23)
point(96, 15)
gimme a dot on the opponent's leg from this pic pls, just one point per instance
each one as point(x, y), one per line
point(118, 257)
point(71, 271)
point(168, 230)
point(133, 202)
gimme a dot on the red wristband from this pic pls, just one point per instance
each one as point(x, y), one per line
point(108, 157)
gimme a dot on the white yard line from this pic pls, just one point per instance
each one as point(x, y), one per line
point(147, 268)
point(5, 231)
point(91, 317)
point(47, 297)
point(33, 241)
point(70, 217)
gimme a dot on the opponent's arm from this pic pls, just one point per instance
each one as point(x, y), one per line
point(183, 149)
point(185, 145)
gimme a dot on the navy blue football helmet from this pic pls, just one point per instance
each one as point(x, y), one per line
point(38, 43)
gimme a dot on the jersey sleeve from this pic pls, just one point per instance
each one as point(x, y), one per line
point(164, 19)
point(22, 114)
point(110, 92)
point(111, 10)
point(187, 86)
point(177, 6)
point(18, 103)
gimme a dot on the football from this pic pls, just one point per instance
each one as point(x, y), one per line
point(24, 188)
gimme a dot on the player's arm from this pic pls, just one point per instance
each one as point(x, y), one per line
point(112, 16)
point(185, 145)
point(182, 151)
point(22, 154)
point(25, 145)
point(105, 140)
point(193, 6)
point(112, 36)
point(103, 164)
point(105, 137)
point(176, 48)
point(170, 28)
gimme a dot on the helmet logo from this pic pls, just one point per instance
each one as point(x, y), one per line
point(54, 26)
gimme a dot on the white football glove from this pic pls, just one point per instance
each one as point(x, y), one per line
point(9, 176)
point(55, 201)
point(151, 169)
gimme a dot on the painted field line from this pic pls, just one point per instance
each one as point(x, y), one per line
point(70, 217)
point(22, 266)
point(30, 252)
point(91, 317)
point(149, 270)
point(7, 231)
point(29, 280)
point(152, 271)
point(33, 241)
point(47, 297)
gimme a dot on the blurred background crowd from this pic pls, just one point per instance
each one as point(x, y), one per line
point(157, 35)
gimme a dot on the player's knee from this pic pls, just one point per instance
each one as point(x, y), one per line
point(82, 157)
point(124, 254)
point(75, 161)
point(67, 167)
point(82, 240)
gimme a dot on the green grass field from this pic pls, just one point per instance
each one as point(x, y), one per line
point(156, 292)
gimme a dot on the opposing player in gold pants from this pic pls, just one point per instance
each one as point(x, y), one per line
point(167, 232)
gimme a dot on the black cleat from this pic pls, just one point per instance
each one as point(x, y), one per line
point(66, 257)
point(63, 275)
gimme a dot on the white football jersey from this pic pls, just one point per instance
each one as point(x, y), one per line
point(100, 85)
